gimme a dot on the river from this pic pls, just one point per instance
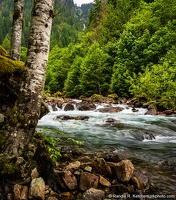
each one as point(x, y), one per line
point(149, 141)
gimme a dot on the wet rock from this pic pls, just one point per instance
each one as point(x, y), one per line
point(67, 117)
point(152, 110)
point(70, 180)
point(94, 194)
point(110, 109)
point(37, 188)
point(112, 120)
point(143, 136)
point(119, 189)
point(69, 106)
point(87, 181)
point(112, 157)
point(124, 170)
point(100, 167)
point(85, 106)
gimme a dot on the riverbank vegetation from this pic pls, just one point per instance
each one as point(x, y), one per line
point(129, 48)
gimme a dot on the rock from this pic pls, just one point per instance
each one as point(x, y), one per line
point(87, 181)
point(37, 188)
point(124, 170)
point(24, 193)
point(69, 106)
point(9, 196)
point(119, 189)
point(85, 106)
point(34, 173)
point(152, 110)
point(73, 165)
point(17, 191)
point(143, 136)
point(94, 194)
point(88, 169)
point(70, 180)
point(139, 180)
point(67, 117)
point(104, 182)
point(52, 198)
point(110, 109)
point(100, 167)
point(112, 157)
point(112, 120)
point(1, 118)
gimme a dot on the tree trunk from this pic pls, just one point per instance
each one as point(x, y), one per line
point(17, 26)
point(25, 113)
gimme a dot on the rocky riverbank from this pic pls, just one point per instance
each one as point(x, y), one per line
point(76, 175)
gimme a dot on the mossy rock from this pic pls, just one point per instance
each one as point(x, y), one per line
point(7, 64)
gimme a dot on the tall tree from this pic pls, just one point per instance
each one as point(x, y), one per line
point(25, 113)
point(17, 29)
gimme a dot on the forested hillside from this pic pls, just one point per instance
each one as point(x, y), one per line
point(68, 22)
point(129, 49)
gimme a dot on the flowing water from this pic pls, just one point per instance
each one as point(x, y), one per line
point(149, 141)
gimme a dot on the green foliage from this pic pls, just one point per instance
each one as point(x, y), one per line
point(51, 143)
point(113, 96)
point(158, 83)
point(72, 83)
point(121, 53)
point(95, 74)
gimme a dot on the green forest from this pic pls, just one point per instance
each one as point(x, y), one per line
point(128, 48)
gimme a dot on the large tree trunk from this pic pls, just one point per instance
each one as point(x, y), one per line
point(17, 29)
point(25, 113)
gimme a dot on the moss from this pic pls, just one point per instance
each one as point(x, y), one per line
point(8, 167)
point(96, 97)
point(7, 64)
point(3, 139)
point(113, 96)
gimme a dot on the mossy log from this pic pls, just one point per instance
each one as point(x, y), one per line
point(7, 64)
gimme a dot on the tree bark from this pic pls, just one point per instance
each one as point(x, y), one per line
point(26, 111)
point(17, 27)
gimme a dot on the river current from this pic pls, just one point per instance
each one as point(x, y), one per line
point(128, 135)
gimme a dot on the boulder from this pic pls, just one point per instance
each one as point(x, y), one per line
point(101, 167)
point(152, 110)
point(17, 191)
point(24, 193)
point(94, 194)
point(87, 181)
point(69, 180)
point(110, 109)
point(73, 165)
point(85, 106)
point(37, 189)
point(124, 170)
point(69, 106)
point(139, 180)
